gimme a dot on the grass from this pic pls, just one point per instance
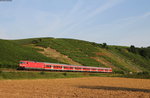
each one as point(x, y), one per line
point(79, 51)
point(136, 60)
point(11, 53)
point(46, 75)
point(53, 75)
point(140, 75)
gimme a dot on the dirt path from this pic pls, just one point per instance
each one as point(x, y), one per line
point(49, 52)
point(91, 87)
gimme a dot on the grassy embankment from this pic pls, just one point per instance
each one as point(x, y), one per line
point(47, 75)
point(53, 75)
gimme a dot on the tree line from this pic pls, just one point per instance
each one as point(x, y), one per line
point(143, 51)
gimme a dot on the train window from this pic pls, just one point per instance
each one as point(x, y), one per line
point(66, 67)
point(57, 67)
point(86, 68)
point(48, 65)
point(77, 68)
point(22, 62)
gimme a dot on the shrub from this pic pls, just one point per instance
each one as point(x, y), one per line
point(65, 74)
point(118, 72)
point(42, 72)
point(143, 73)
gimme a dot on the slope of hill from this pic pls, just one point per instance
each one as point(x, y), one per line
point(92, 54)
point(11, 53)
point(73, 51)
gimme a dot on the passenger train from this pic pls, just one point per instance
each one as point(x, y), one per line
point(27, 65)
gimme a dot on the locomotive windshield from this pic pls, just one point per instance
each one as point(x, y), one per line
point(22, 62)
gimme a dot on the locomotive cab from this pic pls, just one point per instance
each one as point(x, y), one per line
point(22, 65)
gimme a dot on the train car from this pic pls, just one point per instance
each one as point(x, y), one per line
point(60, 67)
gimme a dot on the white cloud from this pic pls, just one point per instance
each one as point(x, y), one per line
point(93, 13)
point(128, 31)
point(146, 15)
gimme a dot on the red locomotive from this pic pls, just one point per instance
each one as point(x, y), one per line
point(60, 67)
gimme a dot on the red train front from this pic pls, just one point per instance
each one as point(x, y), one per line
point(60, 67)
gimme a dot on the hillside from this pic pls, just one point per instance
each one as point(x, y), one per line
point(71, 51)
point(11, 53)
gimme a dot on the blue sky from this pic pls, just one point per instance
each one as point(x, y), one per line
point(116, 22)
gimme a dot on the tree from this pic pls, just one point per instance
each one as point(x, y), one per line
point(142, 52)
point(148, 47)
point(104, 45)
point(132, 49)
point(40, 40)
point(34, 42)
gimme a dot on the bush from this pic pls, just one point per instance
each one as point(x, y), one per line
point(65, 74)
point(104, 45)
point(143, 73)
point(118, 72)
point(42, 72)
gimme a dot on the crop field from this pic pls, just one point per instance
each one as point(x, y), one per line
point(89, 87)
